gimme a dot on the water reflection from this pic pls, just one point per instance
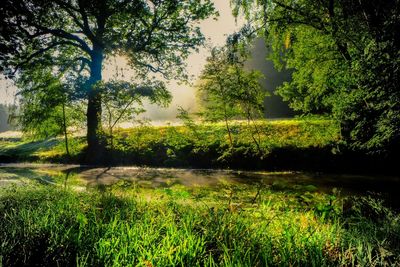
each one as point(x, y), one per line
point(83, 176)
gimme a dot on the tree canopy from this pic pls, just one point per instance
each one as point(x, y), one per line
point(345, 55)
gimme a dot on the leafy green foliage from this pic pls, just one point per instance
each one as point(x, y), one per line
point(122, 101)
point(154, 35)
point(48, 106)
point(345, 57)
point(215, 90)
point(226, 90)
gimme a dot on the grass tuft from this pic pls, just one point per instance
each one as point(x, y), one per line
point(233, 225)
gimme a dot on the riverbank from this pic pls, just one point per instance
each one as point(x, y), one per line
point(310, 145)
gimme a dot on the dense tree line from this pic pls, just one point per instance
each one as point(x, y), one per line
point(345, 55)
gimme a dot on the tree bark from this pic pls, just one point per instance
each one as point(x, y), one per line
point(94, 128)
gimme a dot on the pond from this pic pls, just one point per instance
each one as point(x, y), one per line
point(82, 177)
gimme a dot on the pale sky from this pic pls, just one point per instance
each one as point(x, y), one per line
point(215, 31)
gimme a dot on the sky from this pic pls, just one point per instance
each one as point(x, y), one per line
point(215, 31)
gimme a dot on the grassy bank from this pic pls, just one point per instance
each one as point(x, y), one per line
point(274, 144)
point(231, 225)
point(298, 144)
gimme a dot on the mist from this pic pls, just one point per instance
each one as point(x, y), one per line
point(185, 96)
point(275, 107)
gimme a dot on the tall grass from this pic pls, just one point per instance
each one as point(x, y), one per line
point(126, 225)
point(202, 145)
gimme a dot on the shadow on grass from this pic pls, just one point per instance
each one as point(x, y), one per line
point(27, 150)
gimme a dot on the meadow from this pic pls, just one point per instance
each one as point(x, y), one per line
point(232, 224)
point(271, 145)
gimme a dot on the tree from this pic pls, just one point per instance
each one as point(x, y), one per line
point(250, 98)
point(48, 105)
point(345, 56)
point(156, 36)
point(123, 100)
point(227, 90)
point(215, 91)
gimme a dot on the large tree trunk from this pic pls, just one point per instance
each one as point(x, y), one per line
point(95, 148)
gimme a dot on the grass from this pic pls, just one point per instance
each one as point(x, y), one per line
point(230, 225)
point(203, 146)
point(48, 150)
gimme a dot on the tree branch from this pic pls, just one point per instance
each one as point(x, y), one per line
point(65, 35)
point(40, 52)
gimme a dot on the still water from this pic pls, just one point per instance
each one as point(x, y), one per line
point(82, 177)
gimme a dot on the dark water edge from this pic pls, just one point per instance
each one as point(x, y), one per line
point(311, 159)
